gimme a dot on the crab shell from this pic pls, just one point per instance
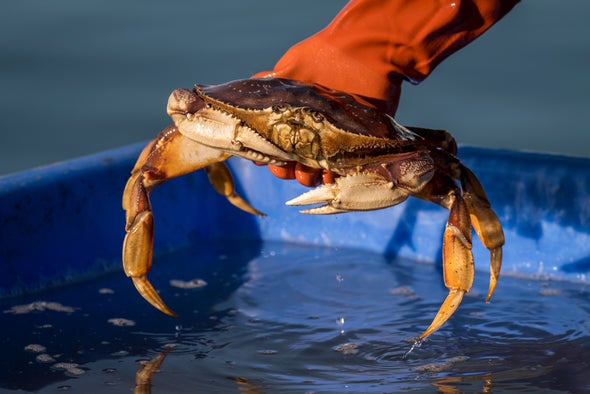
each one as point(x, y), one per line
point(310, 123)
point(379, 162)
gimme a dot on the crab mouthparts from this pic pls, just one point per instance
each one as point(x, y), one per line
point(182, 102)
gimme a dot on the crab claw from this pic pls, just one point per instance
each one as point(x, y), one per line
point(386, 181)
point(458, 266)
point(357, 192)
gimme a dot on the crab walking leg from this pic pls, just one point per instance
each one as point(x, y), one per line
point(485, 222)
point(168, 156)
point(223, 183)
point(436, 139)
point(458, 266)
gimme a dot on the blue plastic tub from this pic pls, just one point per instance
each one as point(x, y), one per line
point(64, 221)
point(62, 229)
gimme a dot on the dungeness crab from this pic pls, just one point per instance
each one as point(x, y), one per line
point(375, 163)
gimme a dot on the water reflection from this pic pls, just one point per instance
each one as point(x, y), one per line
point(244, 385)
point(145, 374)
point(456, 384)
point(52, 336)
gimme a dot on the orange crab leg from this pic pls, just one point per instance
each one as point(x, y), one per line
point(223, 183)
point(168, 156)
point(458, 266)
point(485, 222)
point(468, 207)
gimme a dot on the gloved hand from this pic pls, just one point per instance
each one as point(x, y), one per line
point(373, 45)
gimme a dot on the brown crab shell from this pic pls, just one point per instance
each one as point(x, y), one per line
point(242, 98)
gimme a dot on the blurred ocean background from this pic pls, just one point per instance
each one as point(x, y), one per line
point(77, 77)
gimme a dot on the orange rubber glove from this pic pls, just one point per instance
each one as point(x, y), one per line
point(372, 45)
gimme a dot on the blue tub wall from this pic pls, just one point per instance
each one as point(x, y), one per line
point(543, 202)
point(65, 221)
point(56, 221)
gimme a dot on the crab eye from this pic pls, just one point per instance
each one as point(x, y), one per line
point(279, 108)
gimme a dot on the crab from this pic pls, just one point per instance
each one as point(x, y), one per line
point(373, 162)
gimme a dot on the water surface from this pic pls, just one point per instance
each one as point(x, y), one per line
point(266, 318)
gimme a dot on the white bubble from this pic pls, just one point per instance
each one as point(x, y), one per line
point(121, 322)
point(44, 358)
point(348, 349)
point(39, 306)
point(35, 348)
point(191, 284)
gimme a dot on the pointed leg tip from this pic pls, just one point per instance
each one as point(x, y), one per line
point(495, 267)
point(147, 291)
point(422, 337)
point(490, 292)
point(170, 312)
point(447, 309)
point(237, 201)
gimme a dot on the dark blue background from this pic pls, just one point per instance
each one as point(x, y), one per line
point(81, 77)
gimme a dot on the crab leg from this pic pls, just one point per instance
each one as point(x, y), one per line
point(468, 207)
point(458, 269)
point(223, 183)
point(168, 156)
point(485, 222)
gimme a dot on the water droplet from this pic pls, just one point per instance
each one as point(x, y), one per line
point(416, 344)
